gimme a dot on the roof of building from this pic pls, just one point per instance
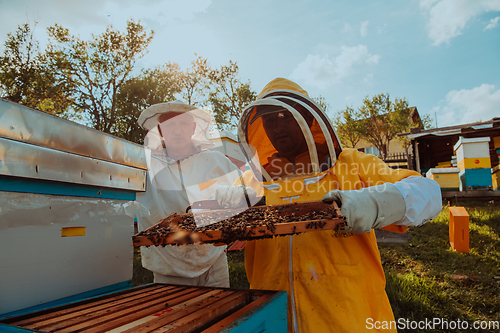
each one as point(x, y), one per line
point(452, 130)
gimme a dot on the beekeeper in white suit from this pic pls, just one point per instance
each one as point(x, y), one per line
point(181, 170)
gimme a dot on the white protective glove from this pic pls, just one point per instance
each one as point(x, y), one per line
point(370, 207)
point(234, 196)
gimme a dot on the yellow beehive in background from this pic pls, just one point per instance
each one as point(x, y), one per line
point(447, 178)
point(444, 164)
point(473, 152)
point(495, 177)
point(474, 162)
point(496, 142)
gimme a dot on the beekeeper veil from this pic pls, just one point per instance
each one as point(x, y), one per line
point(177, 133)
point(285, 102)
point(152, 117)
point(182, 166)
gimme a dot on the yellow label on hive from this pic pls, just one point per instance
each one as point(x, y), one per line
point(73, 231)
point(474, 163)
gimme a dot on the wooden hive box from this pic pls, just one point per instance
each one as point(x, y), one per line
point(162, 308)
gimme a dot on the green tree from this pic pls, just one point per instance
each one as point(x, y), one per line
point(150, 87)
point(347, 125)
point(321, 101)
point(427, 121)
point(380, 120)
point(194, 82)
point(219, 90)
point(97, 69)
point(228, 97)
point(26, 77)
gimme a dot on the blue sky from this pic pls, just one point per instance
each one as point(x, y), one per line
point(442, 55)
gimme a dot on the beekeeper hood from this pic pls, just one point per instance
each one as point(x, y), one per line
point(285, 102)
point(150, 121)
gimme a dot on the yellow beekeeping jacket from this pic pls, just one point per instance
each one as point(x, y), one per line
point(334, 280)
point(338, 280)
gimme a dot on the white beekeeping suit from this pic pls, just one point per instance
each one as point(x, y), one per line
point(173, 184)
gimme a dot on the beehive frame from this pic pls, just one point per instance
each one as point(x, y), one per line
point(294, 218)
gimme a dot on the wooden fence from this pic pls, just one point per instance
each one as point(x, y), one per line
point(399, 160)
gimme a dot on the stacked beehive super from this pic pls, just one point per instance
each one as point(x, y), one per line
point(495, 172)
point(447, 178)
point(446, 164)
point(473, 160)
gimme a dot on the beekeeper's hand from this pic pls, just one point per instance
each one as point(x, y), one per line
point(233, 196)
point(370, 207)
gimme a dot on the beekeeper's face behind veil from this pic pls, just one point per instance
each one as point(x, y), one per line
point(176, 130)
point(284, 133)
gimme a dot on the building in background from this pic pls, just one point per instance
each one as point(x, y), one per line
point(464, 156)
point(434, 147)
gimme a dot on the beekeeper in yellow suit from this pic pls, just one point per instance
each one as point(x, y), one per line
point(334, 280)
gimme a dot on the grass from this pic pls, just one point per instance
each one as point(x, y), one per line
point(237, 274)
point(427, 279)
point(140, 275)
point(236, 263)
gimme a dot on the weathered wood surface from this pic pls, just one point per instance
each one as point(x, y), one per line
point(159, 307)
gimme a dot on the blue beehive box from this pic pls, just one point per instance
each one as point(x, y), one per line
point(67, 206)
point(475, 179)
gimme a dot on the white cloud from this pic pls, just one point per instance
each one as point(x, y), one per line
point(323, 70)
point(427, 4)
point(162, 12)
point(368, 79)
point(364, 28)
point(447, 18)
point(373, 59)
point(467, 106)
point(178, 35)
point(347, 27)
point(493, 23)
point(92, 16)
